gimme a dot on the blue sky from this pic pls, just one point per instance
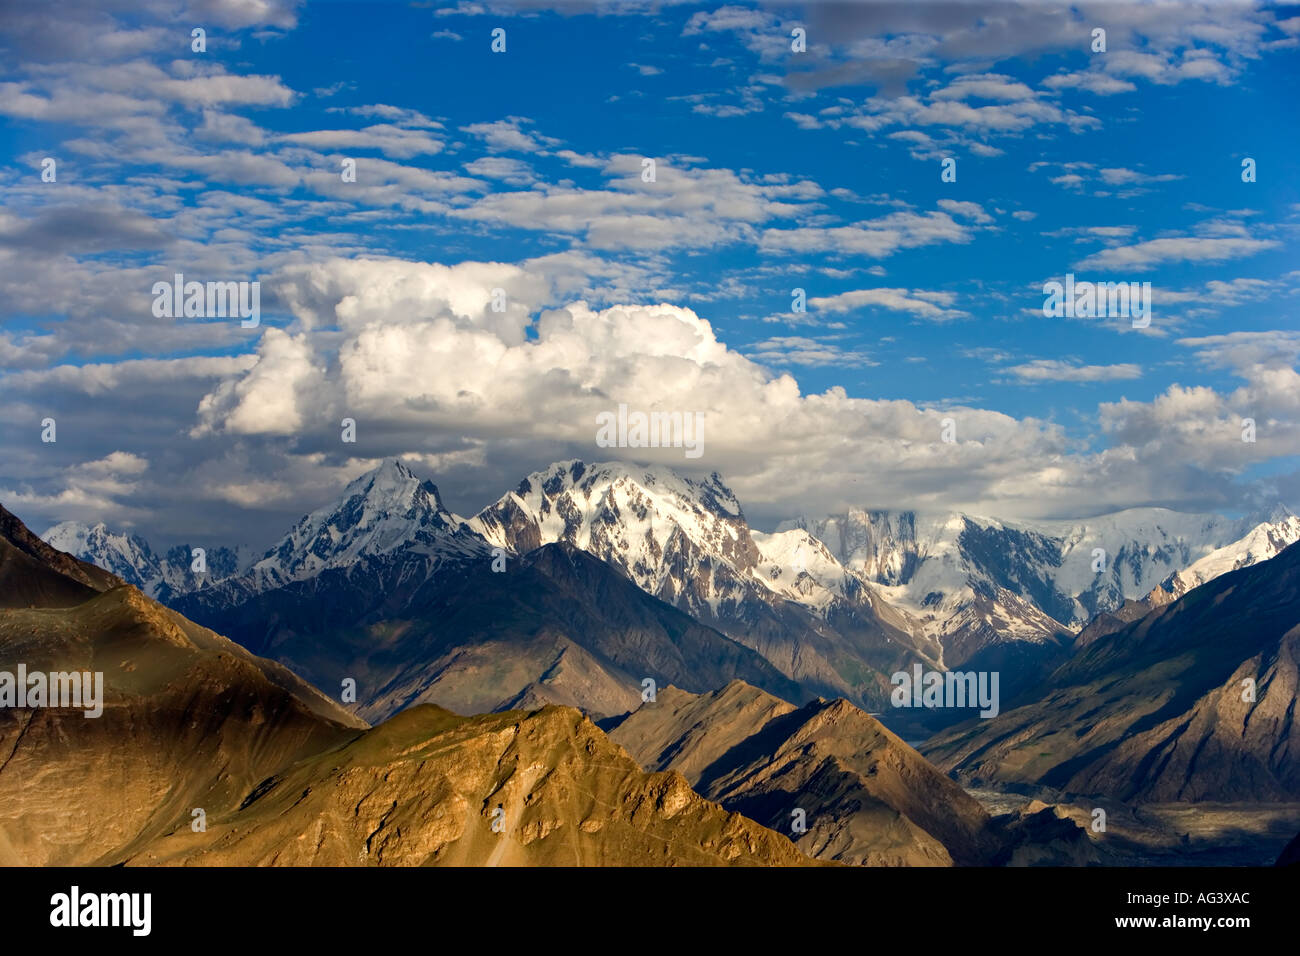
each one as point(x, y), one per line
point(775, 170)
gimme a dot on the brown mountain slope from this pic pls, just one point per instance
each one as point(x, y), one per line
point(38, 576)
point(1154, 710)
point(867, 797)
point(190, 720)
point(25, 582)
point(33, 574)
point(423, 788)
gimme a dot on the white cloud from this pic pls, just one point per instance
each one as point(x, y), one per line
point(509, 135)
point(796, 350)
point(899, 300)
point(1146, 255)
point(1054, 370)
point(414, 352)
point(1091, 81)
point(876, 237)
point(389, 140)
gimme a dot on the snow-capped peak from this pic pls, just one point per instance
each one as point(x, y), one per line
point(1264, 541)
point(126, 555)
point(657, 525)
point(936, 565)
point(386, 509)
point(161, 576)
point(389, 482)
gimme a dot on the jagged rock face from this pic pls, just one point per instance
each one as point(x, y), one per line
point(1157, 709)
point(426, 787)
point(867, 798)
point(384, 511)
point(1042, 835)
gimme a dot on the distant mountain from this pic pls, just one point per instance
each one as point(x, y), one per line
point(866, 797)
point(1262, 542)
point(837, 605)
point(385, 512)
point(132, 559)
point(387, 556)
point(688, 543)
point(1161, 709)
point(1008, 596)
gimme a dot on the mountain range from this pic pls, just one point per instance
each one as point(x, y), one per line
point(207, 754)
point(377, 586)
point(1192, 701)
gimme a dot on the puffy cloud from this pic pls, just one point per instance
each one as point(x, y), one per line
point(1199, 427)
point(86, 491)
point(270, 398)
point(414, 352)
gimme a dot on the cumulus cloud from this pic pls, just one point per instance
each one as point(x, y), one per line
point(86, 491)
point(1199, 427)
point(416, 355)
